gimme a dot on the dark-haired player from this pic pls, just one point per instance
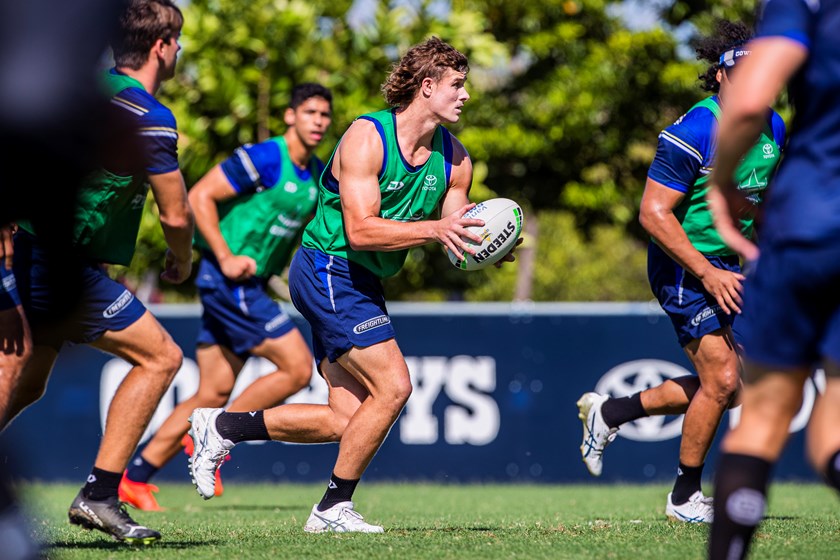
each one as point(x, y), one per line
point(792, 304)
point(383, 187)
point(250, 210)
point(695, 277)
point(106, 219)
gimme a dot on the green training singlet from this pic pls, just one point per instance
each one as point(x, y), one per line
point(408, 195)
point(265, 225)
point(752, 175)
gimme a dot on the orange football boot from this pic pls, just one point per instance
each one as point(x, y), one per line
point(138, 494)
point(189, 447)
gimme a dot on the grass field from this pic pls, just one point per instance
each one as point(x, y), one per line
point(437, 522)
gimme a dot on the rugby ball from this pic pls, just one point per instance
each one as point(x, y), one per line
point(502, 226)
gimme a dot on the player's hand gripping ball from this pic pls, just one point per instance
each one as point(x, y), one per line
point(502, 226)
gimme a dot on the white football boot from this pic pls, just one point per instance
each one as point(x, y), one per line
point(596, 434)
point(698, 509)
point(341, 518)
point(210, 450)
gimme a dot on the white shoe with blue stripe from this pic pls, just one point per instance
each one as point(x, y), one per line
point(341, 518)
point(596, 434)
point(698, 509)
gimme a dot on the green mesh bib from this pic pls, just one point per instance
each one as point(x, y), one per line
point(265, 225)
point(752, 175)
point(408, 194)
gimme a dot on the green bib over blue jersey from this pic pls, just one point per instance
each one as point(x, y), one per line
point(265, 225)
point(109, 206)
point(407, 195)
point(752, 176)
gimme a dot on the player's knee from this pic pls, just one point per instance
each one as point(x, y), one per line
point(301, 374)
point(213, 399)
point(169, 359)
point(724, 388)
point(397, 394)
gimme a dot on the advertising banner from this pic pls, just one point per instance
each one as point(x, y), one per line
point(495, 387)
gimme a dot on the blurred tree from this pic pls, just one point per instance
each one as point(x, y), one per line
point(573, 125)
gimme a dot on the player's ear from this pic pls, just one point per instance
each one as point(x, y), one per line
point(289, 116)
point(426, 86)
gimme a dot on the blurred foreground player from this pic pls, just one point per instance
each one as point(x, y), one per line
point(106, 219)
point(792, 302)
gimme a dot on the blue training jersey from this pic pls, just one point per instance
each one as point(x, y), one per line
point(686, 149)
point(804, 201)
point(257, 166)
point(156, 130)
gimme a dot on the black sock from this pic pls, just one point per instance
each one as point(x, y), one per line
point(687, 483)
point(140, 470)
point(740, 502)
point(626, 409)
point(242, 426)
point(101, 485)
point(338, 490)
point(832, 471)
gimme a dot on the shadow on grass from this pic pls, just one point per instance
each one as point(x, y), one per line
point(115, 545)
point(442, 529)
point(254, 507)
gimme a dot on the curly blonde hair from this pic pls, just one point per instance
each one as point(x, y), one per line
point(429, 59)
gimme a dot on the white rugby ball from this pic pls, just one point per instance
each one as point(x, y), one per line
point(502, 226)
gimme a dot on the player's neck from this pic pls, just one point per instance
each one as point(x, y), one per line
point(146, 75)
point(299, 153)
point(415, 130)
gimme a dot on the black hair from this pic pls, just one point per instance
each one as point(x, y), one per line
point(727, 35)
point(302, 92)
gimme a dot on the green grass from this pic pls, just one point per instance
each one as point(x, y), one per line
point(439, 522)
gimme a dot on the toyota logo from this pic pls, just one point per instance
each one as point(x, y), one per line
point(632, 377)
point(430, 181)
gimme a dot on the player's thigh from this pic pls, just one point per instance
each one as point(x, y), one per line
point(346, 393)
point(715, 357)
point(34, 377)
point(218, 368)
point(289, 352)
point(145, 341)
point(381, 368)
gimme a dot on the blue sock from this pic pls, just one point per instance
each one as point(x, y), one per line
point(140, 470)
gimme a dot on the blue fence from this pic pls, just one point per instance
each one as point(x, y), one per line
point(494, 399)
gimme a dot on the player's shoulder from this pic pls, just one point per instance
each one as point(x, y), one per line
point(143, 104)
point(698, 118)
point(459, 151)
point(696, 127)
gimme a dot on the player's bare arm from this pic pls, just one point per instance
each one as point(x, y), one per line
point(7, 244)
point(357, 167)
point(176, 219)
point(773, 62)
point(204, 198)
point(657, 217)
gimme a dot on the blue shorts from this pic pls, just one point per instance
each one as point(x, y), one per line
point(342, 301)
point(792, 306)
point(693, 311)
point(103, 304)
point(237, 315)
point(9, 296)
